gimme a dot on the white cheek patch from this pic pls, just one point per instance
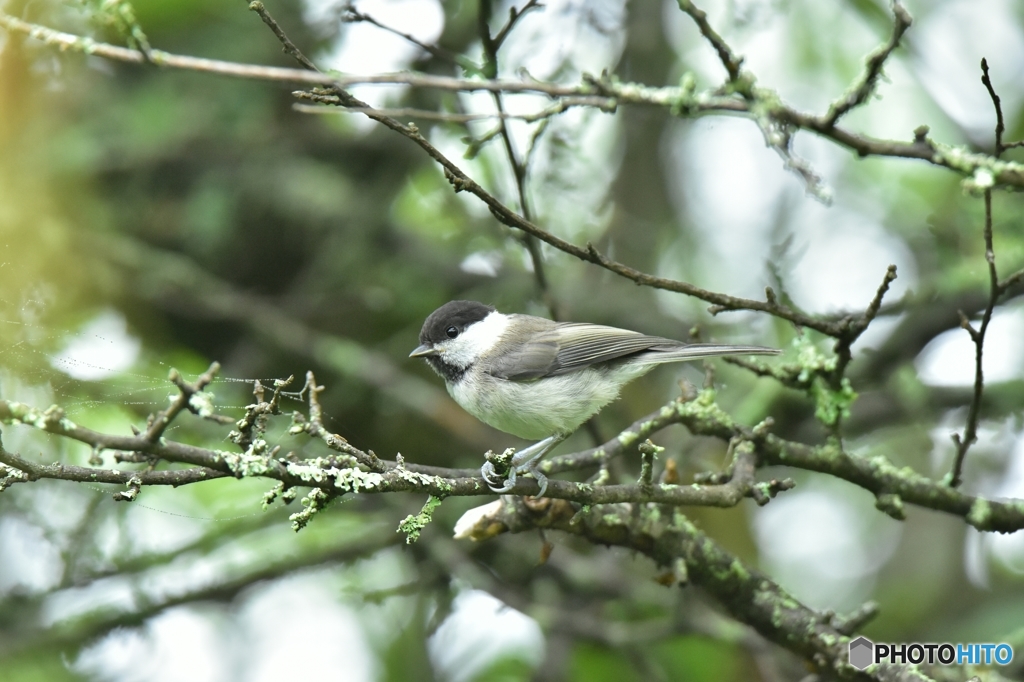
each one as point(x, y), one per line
point(476, 340)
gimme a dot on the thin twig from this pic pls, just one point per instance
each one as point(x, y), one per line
point(351, 15)
point(676, 98)
point(159, 422)
point(854, 327)
point(779, 136)
point(1000, 172)
point(315, 427)
point(519, 170)
point(1011, 279)
point(514, 15)
point(970, 436)
point(862, 88)
point(996, 104)
point(559, 107)
point(733, 64)
point(461, 182)
point(286, 44)
point(996, 289)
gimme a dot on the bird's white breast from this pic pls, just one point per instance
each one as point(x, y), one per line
point(536, 410)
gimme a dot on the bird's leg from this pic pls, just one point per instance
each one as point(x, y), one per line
point(524, 461)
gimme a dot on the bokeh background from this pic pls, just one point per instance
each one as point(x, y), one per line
point(152, 219)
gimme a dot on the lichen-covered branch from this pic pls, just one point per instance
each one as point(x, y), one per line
point(670, 539)
point(682, 100)
point(348, 469)
point(762, 104)
point(620, 514)
point(16, 469)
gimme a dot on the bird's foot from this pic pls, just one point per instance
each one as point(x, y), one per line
point(522, 462)
point(542, 480)
point(491, 476)
point(495, 481)
point(497, 485)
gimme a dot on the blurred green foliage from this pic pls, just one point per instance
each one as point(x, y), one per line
point(193, 204)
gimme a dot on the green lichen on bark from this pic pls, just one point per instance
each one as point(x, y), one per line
point(831, 404)
point(412, 525)
point(312, 504)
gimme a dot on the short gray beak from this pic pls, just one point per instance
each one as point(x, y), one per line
point(423, 350)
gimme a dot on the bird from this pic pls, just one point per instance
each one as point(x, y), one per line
point(539, 379)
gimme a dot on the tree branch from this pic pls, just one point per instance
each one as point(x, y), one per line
point(749, 596)
point(862, 88)
point(78, 474)
point(559, 107)
point(682, 101)
point(357, 471)
point(982, 169)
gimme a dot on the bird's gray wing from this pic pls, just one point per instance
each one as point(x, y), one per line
point(581, 345)
point(559, 348)
point(530, 359)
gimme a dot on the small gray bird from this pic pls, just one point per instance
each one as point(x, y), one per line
point(538, 379)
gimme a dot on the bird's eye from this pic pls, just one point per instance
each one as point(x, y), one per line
point(452, 332)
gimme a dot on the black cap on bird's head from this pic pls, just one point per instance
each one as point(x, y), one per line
point(447, 322)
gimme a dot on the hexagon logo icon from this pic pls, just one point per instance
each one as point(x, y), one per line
point(862, 652)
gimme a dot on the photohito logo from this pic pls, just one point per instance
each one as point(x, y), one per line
point(864, 652)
